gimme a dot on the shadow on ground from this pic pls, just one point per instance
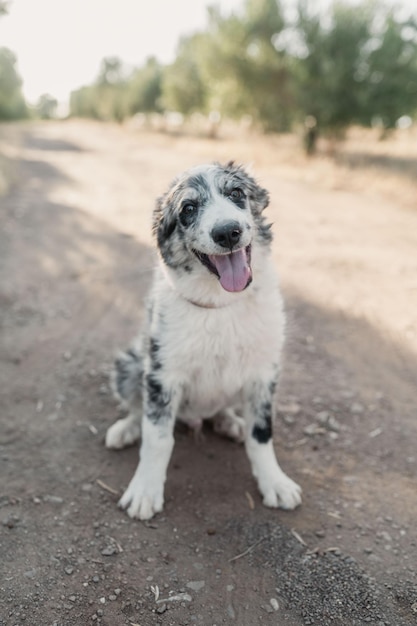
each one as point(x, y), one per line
point(406, 167)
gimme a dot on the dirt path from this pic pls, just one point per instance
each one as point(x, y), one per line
point(75, 263)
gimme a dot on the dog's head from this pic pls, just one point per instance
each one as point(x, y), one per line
point(209, 220)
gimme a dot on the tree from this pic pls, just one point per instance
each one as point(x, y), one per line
point(12, 102)
point(354, 64)
point(183, 87)
point(328, 71)
point(391, 71)
point(106, 99)
point(145, 88)
point(83, 102)
point(46, 106)
point(246, 72)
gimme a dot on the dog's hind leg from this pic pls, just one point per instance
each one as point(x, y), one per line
point(124, 432)
point(127, 383)
point(228, 424)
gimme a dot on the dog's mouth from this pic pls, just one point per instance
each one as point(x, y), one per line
point(233, 269)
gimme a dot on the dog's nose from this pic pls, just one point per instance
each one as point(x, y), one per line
point(227, 235)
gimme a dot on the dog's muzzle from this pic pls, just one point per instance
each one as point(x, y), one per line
point(233, 269)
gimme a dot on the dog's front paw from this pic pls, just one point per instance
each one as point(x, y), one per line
point(123, 433)
point(142, 500)
point(280, 491)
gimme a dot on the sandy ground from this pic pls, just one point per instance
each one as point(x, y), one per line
point(76, 260)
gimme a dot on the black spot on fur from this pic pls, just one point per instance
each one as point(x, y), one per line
point(200, 185)
point(128, 375)
point(134, 355)
point(164, 220)
point(272, 387)
point(263, 432)
point(157, 398)
point(154, 348)
point(264, 231)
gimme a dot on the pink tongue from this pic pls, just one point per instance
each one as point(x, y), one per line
point(233, 269)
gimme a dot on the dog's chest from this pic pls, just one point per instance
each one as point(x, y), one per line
point(214, 354)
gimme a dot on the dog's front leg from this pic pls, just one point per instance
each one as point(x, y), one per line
point(145, 494)
point(277, 489)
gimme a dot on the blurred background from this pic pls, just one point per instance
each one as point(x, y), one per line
point(315, 66)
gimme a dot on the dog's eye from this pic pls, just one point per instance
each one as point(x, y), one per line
point(188, 209)
point(236, 194)
point(188, 213)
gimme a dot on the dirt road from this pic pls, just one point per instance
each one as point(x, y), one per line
point(75, 263)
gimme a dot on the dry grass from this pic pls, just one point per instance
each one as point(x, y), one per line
point(362, 162)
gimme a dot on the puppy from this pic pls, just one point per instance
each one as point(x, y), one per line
point(212, 341)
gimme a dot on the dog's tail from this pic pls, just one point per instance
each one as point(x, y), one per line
point(127, 376)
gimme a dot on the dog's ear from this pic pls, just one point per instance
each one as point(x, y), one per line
point(164, 219)
point(258, 196)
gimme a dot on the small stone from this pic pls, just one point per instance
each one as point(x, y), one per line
point(96, 579)
point(162, 608)
point(112, 597)
point(67, 355)
point(11, 521)
point(323, 416)
point(69, 570)
point(53, 499)
point(313, 429)
point(109, 550)
point(72, 598)
point(195, 585)
point(320, 533)
point(292, 408)
point(274, 603)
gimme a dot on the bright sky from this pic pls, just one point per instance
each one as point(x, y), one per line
point(59, 43)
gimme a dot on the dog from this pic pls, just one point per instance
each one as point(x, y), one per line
point(212, 340)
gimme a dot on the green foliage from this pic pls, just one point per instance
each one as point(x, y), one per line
point(391, 72)
point(347, 63)
point(145, 88)
point(46, 106)
point(360, 63)
point(328, 76)
point(247, 74)
point(107, 98)
point(183, 86)
point(12, 102)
